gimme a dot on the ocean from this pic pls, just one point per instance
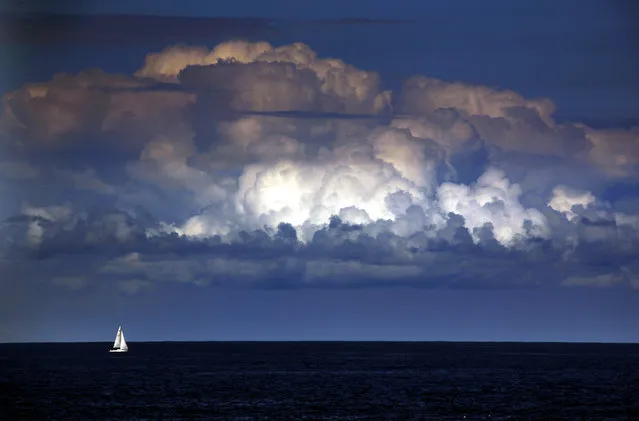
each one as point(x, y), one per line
point(320, 381)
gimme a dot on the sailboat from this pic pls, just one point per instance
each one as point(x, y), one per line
point(120, 343)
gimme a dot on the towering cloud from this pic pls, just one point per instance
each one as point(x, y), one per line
point(258, 77)
point(256, 165)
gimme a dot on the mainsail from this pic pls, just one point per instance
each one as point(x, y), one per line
point(118, 338)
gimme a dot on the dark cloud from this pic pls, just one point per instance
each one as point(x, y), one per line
point(114, 247)
point(36, 27)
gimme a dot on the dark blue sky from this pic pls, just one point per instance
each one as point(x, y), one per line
point(581, 55)
point(365, 314)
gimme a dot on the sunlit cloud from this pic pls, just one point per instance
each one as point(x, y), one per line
point(181, 179)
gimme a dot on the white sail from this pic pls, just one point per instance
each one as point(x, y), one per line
point(118, 338)
point(120, 344)
point(123, 345)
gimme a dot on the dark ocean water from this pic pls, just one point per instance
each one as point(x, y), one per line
point(320, 381)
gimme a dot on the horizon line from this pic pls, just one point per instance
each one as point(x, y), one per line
point(326, 341)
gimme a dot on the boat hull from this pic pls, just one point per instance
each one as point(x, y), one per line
point(118, 350)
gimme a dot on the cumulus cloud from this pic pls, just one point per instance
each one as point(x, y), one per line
point(564, 198)
point(502, 117)
point(167, 64)
point(42, 216)
point(114, 111)
point(295, 193)
point(616, 151)
point(493, 200)
point(422, 95)
point(212, 184)
point(261, 77)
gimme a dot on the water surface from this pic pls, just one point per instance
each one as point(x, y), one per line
point(320, 380)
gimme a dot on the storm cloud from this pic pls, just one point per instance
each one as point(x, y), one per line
point(190, 170)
